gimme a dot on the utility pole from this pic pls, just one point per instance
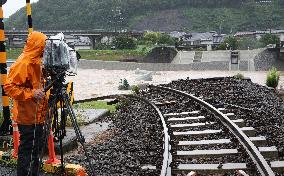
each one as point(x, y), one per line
point(220, 27)
point(6, 126)
point(29, 15)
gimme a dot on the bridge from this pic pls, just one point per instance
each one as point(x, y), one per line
point(94, 35)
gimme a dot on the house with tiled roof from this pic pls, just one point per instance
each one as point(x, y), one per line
point(195, 40)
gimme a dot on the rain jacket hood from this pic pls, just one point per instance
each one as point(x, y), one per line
point(25, 76)
point(35, 46)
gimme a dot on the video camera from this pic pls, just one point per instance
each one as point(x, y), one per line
point(58, 57)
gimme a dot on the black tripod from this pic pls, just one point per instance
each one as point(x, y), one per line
point(57, 119)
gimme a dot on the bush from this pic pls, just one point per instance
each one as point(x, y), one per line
point(103, 46)
point(267, 39)
point(230, 43)
point(151, 37)
point(166, 39)
point(222, 46)
point(249, 43)
point(200, 49)
point(125, 42)
point(135, 89)
point(272, 78)
point(123, 85)
point(239, 76)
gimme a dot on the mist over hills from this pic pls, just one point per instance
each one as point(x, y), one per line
point(158, 15)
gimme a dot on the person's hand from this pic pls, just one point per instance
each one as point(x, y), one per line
point(38, 94)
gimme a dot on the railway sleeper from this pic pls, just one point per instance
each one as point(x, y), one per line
point(230, 115)
point(277, 166)
point(224, 110)
point(163, 103)
point(258, 141)
point(149, 167)
point(239, 122)
point(193, 115)
point(188, 118)
point(209, 168)
point(249, 131)
point(221, 109)
point(182, 114)
point(267, 152)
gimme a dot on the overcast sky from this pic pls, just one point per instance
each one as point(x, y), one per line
point(12, 6)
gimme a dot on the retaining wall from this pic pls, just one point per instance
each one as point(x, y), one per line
point(91, 64)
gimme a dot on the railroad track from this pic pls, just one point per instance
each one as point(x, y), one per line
point(198, 138)
point(202, 139)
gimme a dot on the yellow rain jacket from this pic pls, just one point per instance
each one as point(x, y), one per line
point(25, 76)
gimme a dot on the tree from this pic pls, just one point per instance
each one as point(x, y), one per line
point(249, 43)
point(124, 14)
point(125, 42)
point(267, 39)
point(166, 39)
point(250, 8)
point(231, 43)
point(117, 19)
point(152, 37)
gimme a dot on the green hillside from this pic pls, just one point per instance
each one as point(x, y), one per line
point(158, 15)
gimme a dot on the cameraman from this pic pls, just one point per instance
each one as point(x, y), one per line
point(25, 86)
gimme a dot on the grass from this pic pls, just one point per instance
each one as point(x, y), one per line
point(88, 105)
point(109, 55)
point(104, 55)
point(80, 120)
point(95, 105)
point(114, 55)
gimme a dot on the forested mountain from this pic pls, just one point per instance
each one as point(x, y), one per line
point(158, 15)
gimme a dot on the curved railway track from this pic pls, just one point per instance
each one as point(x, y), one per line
point(198, 138)
point(207, 140)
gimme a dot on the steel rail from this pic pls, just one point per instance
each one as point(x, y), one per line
point(166, 154)
point(258, 159)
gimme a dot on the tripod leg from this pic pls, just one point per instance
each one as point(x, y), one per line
point(73, 118)
point(78, 132)
point(6, 127)
point(47, 127)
